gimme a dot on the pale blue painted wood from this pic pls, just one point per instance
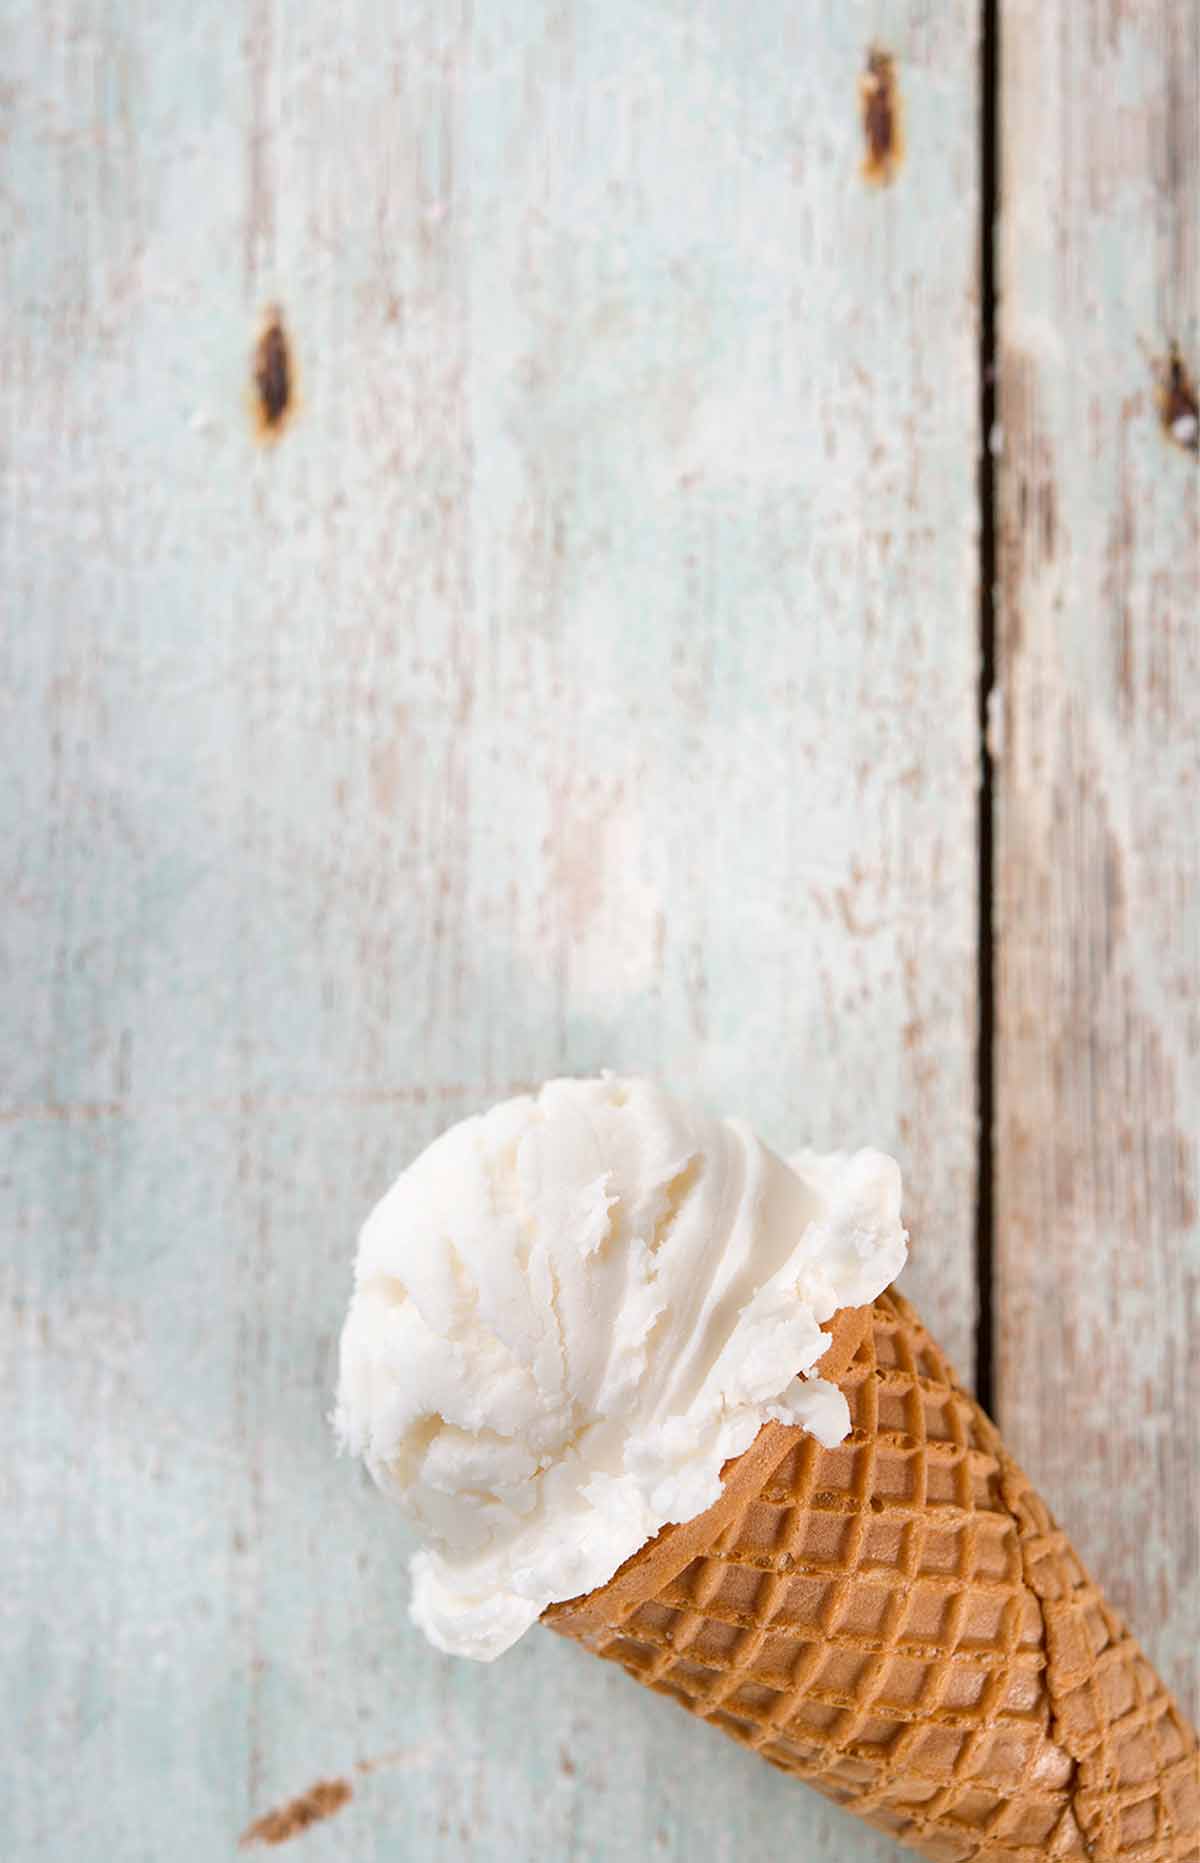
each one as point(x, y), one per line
point(586, 677)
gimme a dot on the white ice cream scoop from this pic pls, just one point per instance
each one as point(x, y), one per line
point(570, 1312)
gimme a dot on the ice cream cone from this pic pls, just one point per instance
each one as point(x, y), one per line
point(900, 1622)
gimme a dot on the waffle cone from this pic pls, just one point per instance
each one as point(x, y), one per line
point(900, 1622)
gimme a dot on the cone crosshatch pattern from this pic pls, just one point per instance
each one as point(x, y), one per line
point(900, 1622)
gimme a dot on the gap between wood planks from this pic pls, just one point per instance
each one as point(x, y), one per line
point(989, 173)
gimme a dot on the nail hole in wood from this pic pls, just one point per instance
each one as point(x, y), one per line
point(311, 1807)
point(274, 377)
point(1178, 405)
point(882, 119)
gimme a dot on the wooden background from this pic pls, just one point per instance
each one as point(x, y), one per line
point(494, 580)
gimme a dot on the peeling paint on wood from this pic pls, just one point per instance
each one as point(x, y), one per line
point(1097, 1045)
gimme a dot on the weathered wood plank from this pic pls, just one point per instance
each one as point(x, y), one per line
point(579, 670)
point(1098, 895)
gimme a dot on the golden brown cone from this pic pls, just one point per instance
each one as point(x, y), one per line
point(900, 1622)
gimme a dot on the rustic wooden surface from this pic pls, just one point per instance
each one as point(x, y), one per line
point(547, 639)
point(1097, 1313)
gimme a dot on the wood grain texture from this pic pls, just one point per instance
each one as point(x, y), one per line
point(1098, 785)
point(584, 675)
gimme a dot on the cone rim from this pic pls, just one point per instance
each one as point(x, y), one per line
point(662, 1558)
